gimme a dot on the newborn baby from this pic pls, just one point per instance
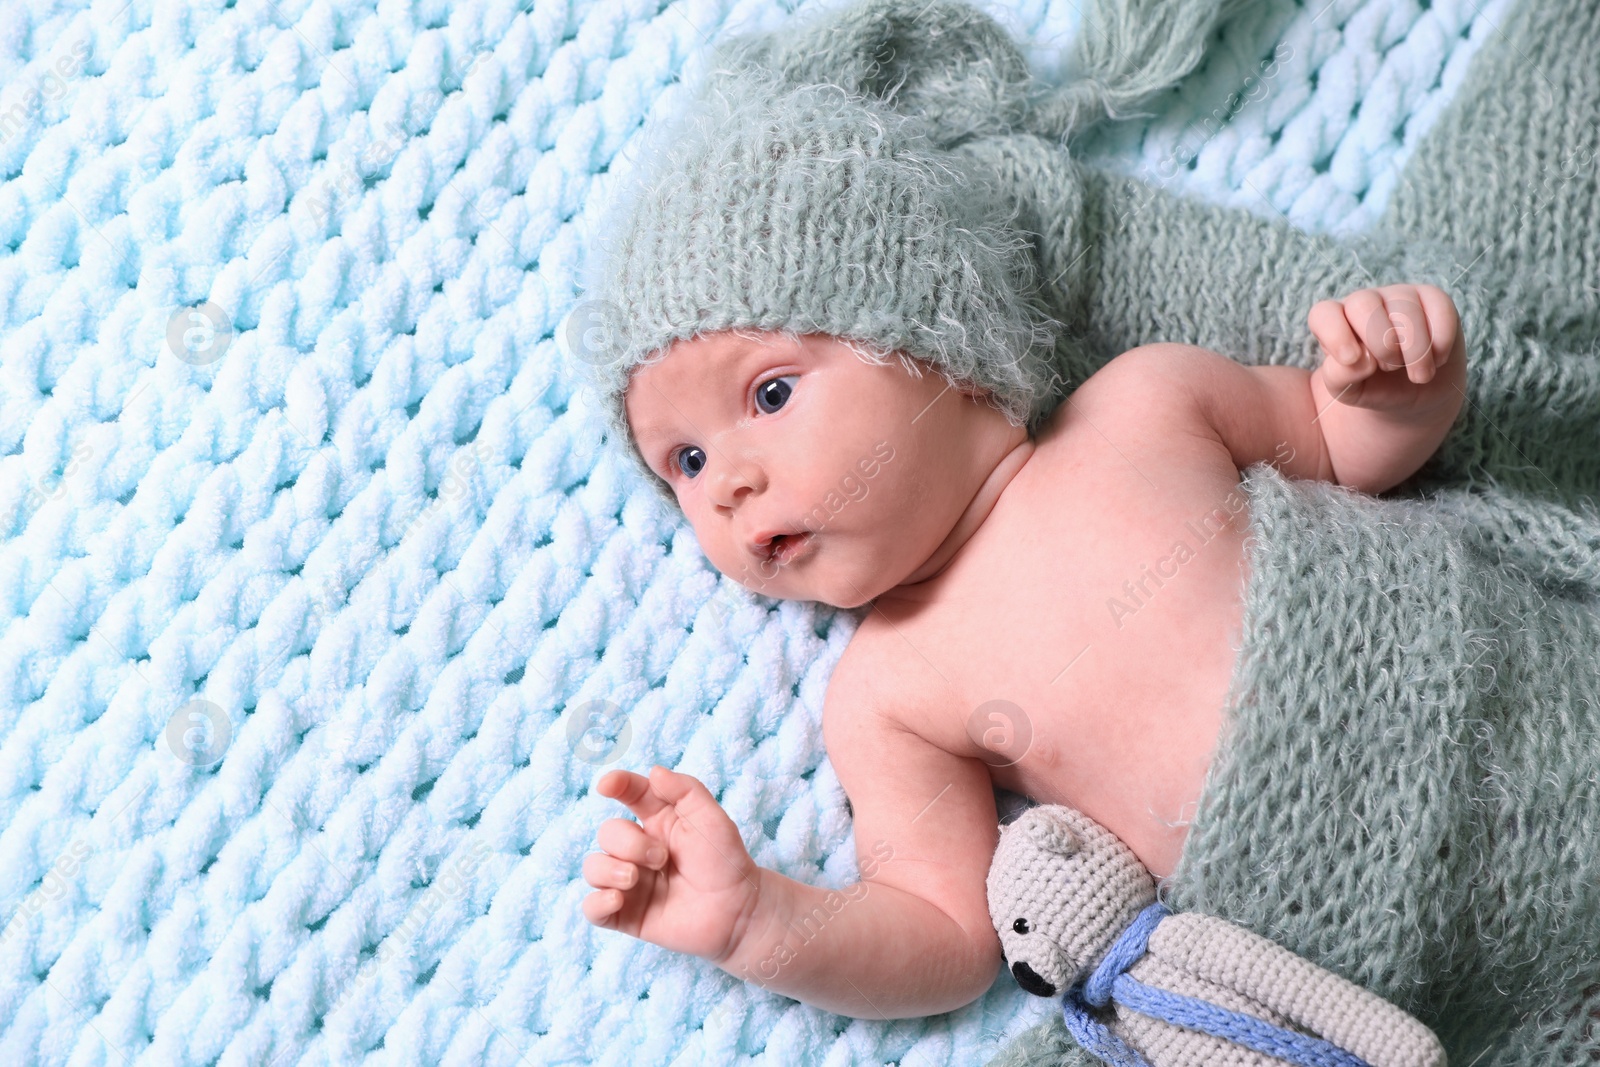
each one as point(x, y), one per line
point(1054, 613)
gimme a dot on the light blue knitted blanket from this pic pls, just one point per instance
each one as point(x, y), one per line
point(322, 608)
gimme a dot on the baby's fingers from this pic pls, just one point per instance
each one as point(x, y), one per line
point(608, 872)
point(628, 841)
point(616, 882)
point(1346, 384)
point(1338, 340)
point(1412, 331)
point(1370, 320)
point(599, 908)
point(1444, 321)
point(631, 789)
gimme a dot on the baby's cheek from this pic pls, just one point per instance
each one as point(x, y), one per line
point(717, 550)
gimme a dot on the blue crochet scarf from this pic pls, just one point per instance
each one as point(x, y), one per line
point(1110, 981)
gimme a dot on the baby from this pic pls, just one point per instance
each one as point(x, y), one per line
point(807, 299)
point(1016, 638)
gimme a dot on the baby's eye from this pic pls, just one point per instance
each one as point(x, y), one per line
point(773, 393)
point(690, 460)
point(1021, 926)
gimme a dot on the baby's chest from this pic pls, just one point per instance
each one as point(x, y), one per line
point(1083, 651)
point(1046, 683)
point(1082, 623)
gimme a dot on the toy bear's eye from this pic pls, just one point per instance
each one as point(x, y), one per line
point(1021, 926)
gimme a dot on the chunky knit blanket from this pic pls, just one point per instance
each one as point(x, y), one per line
point(323, 605)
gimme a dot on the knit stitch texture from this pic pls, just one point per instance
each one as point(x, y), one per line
point(360, 511)
point(818, 183)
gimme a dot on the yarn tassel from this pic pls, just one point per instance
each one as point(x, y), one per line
point(1125, 52)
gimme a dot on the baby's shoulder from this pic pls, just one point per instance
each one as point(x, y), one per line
point(873, 671)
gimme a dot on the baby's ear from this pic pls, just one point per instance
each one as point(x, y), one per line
point(944, 61)
point(1050, 828)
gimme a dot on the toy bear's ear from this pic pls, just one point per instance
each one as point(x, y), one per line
point(945, 61)
point(1049, 828)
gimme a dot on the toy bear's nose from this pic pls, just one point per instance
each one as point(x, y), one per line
point(1031, 982)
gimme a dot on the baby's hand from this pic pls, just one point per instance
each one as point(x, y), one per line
point(683, 880)
point(1370, 336)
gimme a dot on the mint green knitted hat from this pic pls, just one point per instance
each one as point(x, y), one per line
point(814, 184)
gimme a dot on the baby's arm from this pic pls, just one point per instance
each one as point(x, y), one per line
point(912, 938)
point(1374, 411)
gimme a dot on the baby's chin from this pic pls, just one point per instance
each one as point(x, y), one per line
point(851, 596)
point(824, 583)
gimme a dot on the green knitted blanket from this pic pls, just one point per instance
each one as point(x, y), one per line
point(1408, 787)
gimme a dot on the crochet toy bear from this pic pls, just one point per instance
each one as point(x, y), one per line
point(1077, 917)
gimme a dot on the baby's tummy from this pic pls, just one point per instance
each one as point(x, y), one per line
point(1123, 703)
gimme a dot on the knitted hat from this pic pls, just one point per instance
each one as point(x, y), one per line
point(812, 184)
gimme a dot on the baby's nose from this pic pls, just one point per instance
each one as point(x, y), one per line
point(1030, 981)
point(732, 478)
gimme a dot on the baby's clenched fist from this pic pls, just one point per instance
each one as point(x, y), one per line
point(681, 877)
point(1385, 348)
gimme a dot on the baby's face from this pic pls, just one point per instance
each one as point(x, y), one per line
point(806, 472)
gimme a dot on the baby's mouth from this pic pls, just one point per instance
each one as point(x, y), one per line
point(786, 546)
